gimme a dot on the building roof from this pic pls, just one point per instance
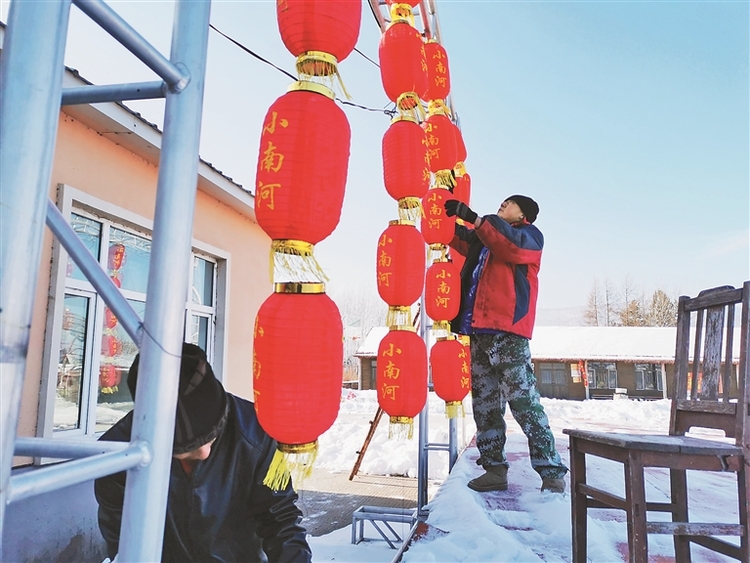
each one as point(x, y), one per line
point(613, 343)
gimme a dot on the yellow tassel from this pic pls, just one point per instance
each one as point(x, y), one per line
point(438, 107)
point(401, 13)
point(401, 428)
point(454, 408)
point(409, 104)
point(410, 209)
point(398, 317)
point(317, 64)
point(460, 169)
point(445, 178)
point(294, 260)
point(291, 461)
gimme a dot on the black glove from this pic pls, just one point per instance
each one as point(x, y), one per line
point(460, 209)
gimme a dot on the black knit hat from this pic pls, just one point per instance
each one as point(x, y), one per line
point(202, 404)
point(528, 206)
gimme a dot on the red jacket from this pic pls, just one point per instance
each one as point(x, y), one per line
point(506, 292)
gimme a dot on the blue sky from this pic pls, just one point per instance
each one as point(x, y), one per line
point(627, 121)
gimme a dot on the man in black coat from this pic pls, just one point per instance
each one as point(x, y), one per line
point(218, 508)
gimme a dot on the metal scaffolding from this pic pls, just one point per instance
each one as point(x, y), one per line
point(31, 95)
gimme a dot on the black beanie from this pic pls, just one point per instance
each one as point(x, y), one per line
point(528, 206)
point(202, 404)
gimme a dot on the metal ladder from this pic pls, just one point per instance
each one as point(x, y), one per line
point(31, 95)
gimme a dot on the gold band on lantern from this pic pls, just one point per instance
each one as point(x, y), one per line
point(449, 337)
point(445, 178)
point(401, 13)
point(311, 64)
point(437, 247)
point(307, 86)
point(402, 117)
point(438, 107)
point(410, 209)
point(442, 326)
point(299, 288)
point(463, 339)
point(298, 448)
point(454, 408)
point(400, 222)
point(460, 169)
point(399, 318)
point(401, 427)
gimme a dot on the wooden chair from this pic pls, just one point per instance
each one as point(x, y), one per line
point(703, 368)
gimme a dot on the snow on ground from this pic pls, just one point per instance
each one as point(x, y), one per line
point(540, 530)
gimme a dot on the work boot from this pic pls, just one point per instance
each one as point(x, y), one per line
point(553, 485)
point(494, 479)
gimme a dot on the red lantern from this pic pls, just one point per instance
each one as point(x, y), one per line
point(110, 321)
point(297, 393)
point(442, 294)
point(400, 264)
point(441, 146)
point(111, 346)
point(116, 256)
point(438, 75)
point(462, 190)
point(109, 378)
point(411, 3)
point(451, 373)
point(402, 377)
point(461, 153)
point(403, 67)
point(406, 166)
point(302, 167)
point(115, 277)
point(457, 259)
point(437, 227)
point(330, 26)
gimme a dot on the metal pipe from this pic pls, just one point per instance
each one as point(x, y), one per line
point(113, 93)
point(144, 508)
point(31, 72)
point(68, 473)
point(422, 467)
point(452, 442)
point(64, 449)
point(118, 28)
point(104, 286)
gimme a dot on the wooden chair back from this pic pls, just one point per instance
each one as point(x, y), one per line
point(703, 364)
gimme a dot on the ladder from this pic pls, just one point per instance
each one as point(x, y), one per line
point(31, 95)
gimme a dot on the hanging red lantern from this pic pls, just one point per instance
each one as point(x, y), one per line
point(457, 259)
point(441, 146)
point(302, 168)
point(116, 256)
point(402, 378)
point(461, 153)
point(462, 190)
point(406, 166)
point(109, 378)
point(410, 3)
point(451, 373)
point(110, 321)
point(400, 264)
point(320, 33)
point(111, 346)
point(442, 294)
point(403, 67)
point(297, 394)
point(438, 75)
point(437, 227)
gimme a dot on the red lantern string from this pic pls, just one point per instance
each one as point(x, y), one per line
point(437, 227)
point(296, 395)
point(441, 146)
point(451, 373)
point(109, 375)
point(406, 166)
point(438, 74)
point(320, 33)
point(442, 294)
point(403, 68)
point(462, 191)
point(402, 379)
point(399, 268)
point(301, 176)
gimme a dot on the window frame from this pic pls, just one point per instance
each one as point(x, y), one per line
point(71, 200)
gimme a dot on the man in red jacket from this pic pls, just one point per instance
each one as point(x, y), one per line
point(498, 304)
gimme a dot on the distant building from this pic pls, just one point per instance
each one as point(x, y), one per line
point(586, 362)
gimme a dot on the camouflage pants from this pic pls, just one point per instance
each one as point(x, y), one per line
point(501, 372)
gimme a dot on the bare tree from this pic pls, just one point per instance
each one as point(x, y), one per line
point(662, 310)
point(633, 314)
point(593, 312)
point(610, 304)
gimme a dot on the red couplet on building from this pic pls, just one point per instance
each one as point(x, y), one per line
point(442, 292)
point(297, 373)
point(302, 165)
point(438, 73)
point(406, 166)
point(402, 375)
point(451, 372)
point(403, 68)
point(437, 227)
point(400, 264)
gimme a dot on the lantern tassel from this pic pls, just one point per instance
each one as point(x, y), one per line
point(409, 105)
point(454, 408)
point(293, 462)
point(445, 178)
point(294, 258)
point(410, 209)
point(398, 316)
point(314, 64)
point(401, 428)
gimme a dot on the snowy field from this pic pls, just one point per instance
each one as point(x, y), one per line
point(541, 530)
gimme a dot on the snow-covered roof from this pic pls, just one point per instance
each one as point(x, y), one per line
point(606, 343)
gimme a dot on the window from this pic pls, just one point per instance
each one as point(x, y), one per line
point(95, 352)
point(602, 375)
point(553, 373)
point(648, 377)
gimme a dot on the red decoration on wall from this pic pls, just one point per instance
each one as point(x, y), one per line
point(437, 227)
point(400, 264)
point(330, 26)
point(402, 376)
point(406, 166)
point(451, 373)
point(442, 294)
point(297, 393)
point(403, 67)
point(438, 74)
point(302, 167)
